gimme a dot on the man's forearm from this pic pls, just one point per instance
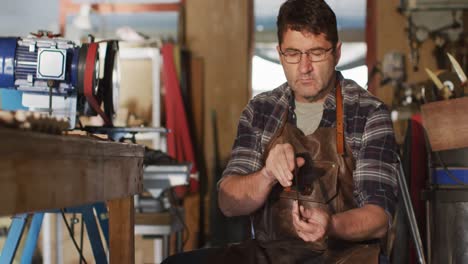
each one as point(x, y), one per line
point(367, 222)
point(243, 194)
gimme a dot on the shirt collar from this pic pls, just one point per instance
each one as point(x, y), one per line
point(330, 101)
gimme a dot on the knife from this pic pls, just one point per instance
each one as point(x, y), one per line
point(459, 71)
point(444, 91)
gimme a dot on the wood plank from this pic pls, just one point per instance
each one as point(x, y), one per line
point(196, 96)
point(192, 220)
point(227, 27)
point(226, 24)
point(192, 206)
point(162, 218)
point(121, 231)
point(446, 123)
point(40, 171)
point(119, 8)
point(68, 7)
point(371, 41)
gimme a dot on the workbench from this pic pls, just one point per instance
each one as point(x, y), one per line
point(40, 172)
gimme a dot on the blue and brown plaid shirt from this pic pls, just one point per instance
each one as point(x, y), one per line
point(368, 132)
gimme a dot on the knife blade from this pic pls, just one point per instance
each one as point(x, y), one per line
point(458, 69)
point(435, 79)
point(443, 90)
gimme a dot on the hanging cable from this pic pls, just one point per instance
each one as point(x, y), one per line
point(447, 171)
point(72, 237)
point(179, 217)
point(81, 236)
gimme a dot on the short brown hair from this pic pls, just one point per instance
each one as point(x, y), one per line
point(314, 16)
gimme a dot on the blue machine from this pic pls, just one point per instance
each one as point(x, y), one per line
point(45, 73)
point(28, 64)
point(441, 177)
point(59, 77)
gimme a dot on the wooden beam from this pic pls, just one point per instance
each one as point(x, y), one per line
point(108, 8)
point(68, 7)
point(41, 172)
point(196, 96)
point(161, 218)
point(221, 34)
point(135, 8)
point(64, 7)
point(371, 40)
point(121, 231)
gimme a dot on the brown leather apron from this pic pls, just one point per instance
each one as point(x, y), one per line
point(325, 181)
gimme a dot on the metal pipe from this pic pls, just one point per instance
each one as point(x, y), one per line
point(428, 230)
point(429, 203)
point(47, 239)
point(58, 239)
point(410, 213)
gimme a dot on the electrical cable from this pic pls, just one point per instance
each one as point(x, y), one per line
point(447, 171)
point(442, 163)
point(81, 236)
point(72, 237)
point(179, 217)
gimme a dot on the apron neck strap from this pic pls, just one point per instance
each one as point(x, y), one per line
point(339, 119)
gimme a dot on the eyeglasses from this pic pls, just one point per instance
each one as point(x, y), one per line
point(314, 55)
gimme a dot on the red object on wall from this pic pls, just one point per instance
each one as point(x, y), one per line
point(418, 177)
point(179, 143)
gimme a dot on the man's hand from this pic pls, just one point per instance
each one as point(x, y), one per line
point(280, 163)
point(312, 225)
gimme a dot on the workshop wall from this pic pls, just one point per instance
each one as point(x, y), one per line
point(391, 35)
point(220, 33)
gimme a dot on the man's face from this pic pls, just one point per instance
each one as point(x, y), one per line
point(306, 78)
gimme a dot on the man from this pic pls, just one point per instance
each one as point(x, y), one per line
point(314, 160)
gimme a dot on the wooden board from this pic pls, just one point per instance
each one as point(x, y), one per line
point(40, 171)
point(162, 218)
point(446, 123)
point(196, 96)
point(224, 26)
point(121, 231)
point(220, 33)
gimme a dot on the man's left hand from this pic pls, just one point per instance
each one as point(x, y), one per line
point(311, 224)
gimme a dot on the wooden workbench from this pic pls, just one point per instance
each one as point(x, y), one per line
point(40, 172)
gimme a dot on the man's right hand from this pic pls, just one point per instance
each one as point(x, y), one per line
point(280, 164)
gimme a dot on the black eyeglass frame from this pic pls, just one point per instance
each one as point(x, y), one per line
point(307, 53)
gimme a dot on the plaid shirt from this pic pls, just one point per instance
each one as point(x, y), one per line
point(368, 132)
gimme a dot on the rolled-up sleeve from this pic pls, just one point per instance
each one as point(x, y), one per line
point(375, 177)
point(246, 156)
